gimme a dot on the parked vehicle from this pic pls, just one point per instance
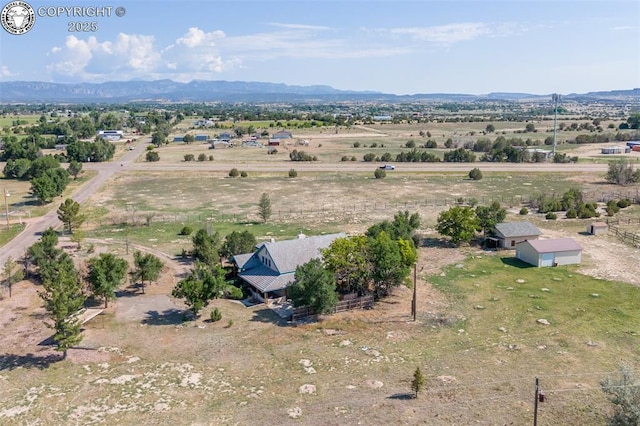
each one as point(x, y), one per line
point(388, 167)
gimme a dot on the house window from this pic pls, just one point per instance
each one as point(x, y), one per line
point(513, 243)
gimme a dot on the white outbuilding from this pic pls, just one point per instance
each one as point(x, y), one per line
point(552, 252)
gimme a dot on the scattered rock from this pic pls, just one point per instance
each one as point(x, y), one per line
point(509, 288)
point(307, 389)
point(374, 384)
point(544, 289)
point(543, 321)
point(504, 330)
point(557, 279)
point(514, 347)
point(132, 359)
point(459, 265)
point(346, 343)
point(351, 387)
point(447, 379)
point(332, 332)
point(478, 307)
point(595, 295)
point(461, 330)
point(520, 281)
point(295, 412)
point(542, 347)
point(592, 344)
point(305, 363)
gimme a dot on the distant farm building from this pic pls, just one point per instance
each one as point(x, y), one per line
point(597, 228)
point(282, 134)
point(225, 137)
point(555, 252)
point(274, 142)
point(632, 144)
point(111, 135)
point(178, 139)
point(218, 144)
point(382, 118)
point(201, 138)
point(616, 150)
point(508, 234)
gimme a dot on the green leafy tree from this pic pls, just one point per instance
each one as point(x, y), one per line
point(264, 207)
point(314, 287)
point(206, 247)
point(69, 214)
point(106, 273)
point(188, 138)
point(475, 174)
point(152, 156)
point(490, 216)
point(417, 384)
point(158, 138)
point(74, 169)
point(12, 273)
point(621, 172)
point(201, 285)
point(459, 223)
point(44, 253)
point(63, 298)
point(379, 174)
point(238, 243)
point(404, 225)
point(51, 183)
point(624, 394)
point(634, 121)
point(348, 259)
point(459, 155)
point(388, 267)
point(490, 128)
point(147, 266)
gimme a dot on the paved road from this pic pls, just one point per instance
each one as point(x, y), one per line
point(18, 246)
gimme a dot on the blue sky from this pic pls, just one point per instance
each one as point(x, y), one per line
point(401, 47)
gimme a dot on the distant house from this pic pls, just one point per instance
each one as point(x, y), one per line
point(274, 142)
point(508, 234)
point(218, 144)
point(597, 228)
point(178, 139)
point(282, 134)
point(271, 268)
point(225, 137)
point(616, 150)
point(110, 135)
point(542, 253)
point(201, 138)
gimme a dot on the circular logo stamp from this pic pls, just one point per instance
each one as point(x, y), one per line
point(17, 17)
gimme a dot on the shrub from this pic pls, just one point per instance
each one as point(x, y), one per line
point(431, 144)
point(189, 157)
point(272, 151)
point(202, 157)
point(293, 173)
point(524, 211)
point(296, 155)
point(410, 143)
point(152, 156)
point(216, 315)
point(369, 157)
point(243, 174)
point(625, 202)
point(233, 292)
point(356, 144)
point(373, 145)
point(571, 214)
point(353, 158)
point(186, 230)
point(211, 158)
point(379, 174)
point(234, 172)
point(150, 147)
point(551, 216)
point(475, 174)
point(345, 158)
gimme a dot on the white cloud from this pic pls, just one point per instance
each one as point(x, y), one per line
point(4, 72)
point(445, 34)
point(300, 26)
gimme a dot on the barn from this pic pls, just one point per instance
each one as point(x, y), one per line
point(552, 252)
point(597, 228)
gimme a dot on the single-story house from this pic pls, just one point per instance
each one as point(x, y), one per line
point(271, 268)
point(274, 142)
point(553, 252)
point(511, 233)
point(597, 228)
point(282, 134)
point(201, 138)
point(225, 137)
point(178, 139)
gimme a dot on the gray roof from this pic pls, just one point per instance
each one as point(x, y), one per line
point(555, 245)
point(286, 255)
point(517, 229)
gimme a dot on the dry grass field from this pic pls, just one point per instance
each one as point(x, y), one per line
point(477, 337)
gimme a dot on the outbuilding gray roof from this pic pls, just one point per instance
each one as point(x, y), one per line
point(554, 245)
point(516, 229)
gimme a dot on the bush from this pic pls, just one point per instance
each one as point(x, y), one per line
point(211, 158)
point(551, 216)
point(356, 144)
point(524, 211)
point(624, 203)
point(152, 156)
point(380, 174)
point(369, 157)
point(186, 230)
point(571, 214)
point(189, 157)
point(216, 315)
point(202, 157)
point(410, 144)
point(293, 173)
point(150, 147)
point(296, 155)
point(233, 292)
point(272, 151)
point(234, 172)
point(345, 158)
point(353, 158)
point(475, 174)
point(431, 144)
point(243, 174)
point(374, 145)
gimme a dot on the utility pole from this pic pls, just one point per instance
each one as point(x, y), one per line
point(414, 302)
point(6, 205)
point(555, 98)
point(535, 406)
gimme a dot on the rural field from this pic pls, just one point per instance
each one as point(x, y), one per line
point(487, 325)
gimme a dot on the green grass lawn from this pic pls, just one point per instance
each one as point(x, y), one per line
point(7, 234)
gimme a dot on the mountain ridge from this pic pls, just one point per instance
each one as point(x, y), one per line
point(242, 91)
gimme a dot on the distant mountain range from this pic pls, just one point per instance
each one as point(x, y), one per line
point(241, 91)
